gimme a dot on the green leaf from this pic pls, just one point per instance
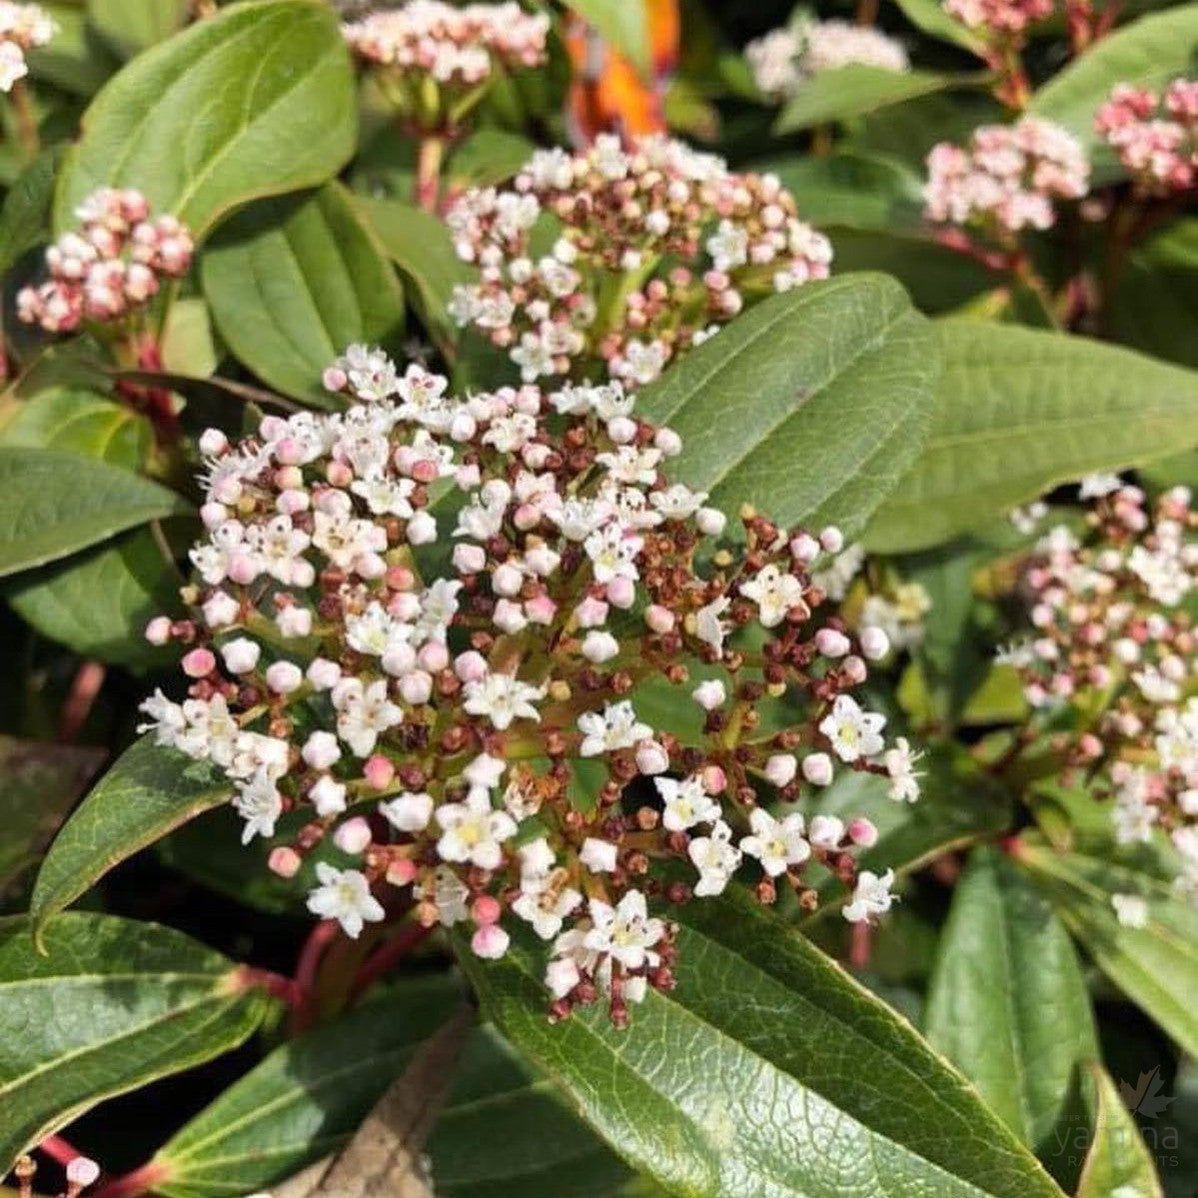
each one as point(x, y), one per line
point(25, 215)
point(147, 793)
point(857, 89)
point(131, 26)
point(1157, 965)
point(1008, 1004)
point(624, 23)
point(56, 502)
point(811, 405)
point(768, 1071)
point(98, 602)
point(930, 17)
point(420, 245)
point(80, 422)
point(254, 101)
point(1148, 52)
point(487, 157)
point(38, 784)
point(187, 345)
point(1020, 411)
point(75, 58)
point(854, 190)
point(292, 281)
point(1158, 293)
point(1119, 1164)
point(113, 1006)
point(304, 1100)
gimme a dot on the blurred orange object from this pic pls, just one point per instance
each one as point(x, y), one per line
point(608, 93)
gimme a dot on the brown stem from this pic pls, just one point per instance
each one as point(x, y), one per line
point(27, 134)
point(867, 12)
point(428, 172)
point(386, 957)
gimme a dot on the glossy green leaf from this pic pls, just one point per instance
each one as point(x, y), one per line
point(1119, 1164)
point(1019, 411)
point(767, 1071)
point(930, 17)
point(80, 422)
point(254, 101)
point(111, 1006)
point(149, 791)
point(56, 502)
point(1008, 1004)
point(846, 365)
point(854, 190)
point(304, 1100)
point(292, 281)
point(25, 214)
point(130, 26)
point(76, 58)
point(187, 344)
point(623, 23)
point(38, 784)
point(1157, 965)
point(98, 602)
point(487, 157)
point(1157, 295)
point(1148, 52)
point(854, 90)
point(420, 245)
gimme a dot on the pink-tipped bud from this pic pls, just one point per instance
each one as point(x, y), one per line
point(490, 942)
point(715, 781)
point(378, 772)
point(158, 630)
point(659, 618)
point(817, 769)
point(832, 643)
point(651, 758)
point(401, 872)
point(82, 1171)
point(862, 832)
point(486, 910)
point(199, 663)
point(621, 593)
point(591, 612)
point(469, 559)
point(832, 539)
point(284, 862)
point(855, 669)
point(334, 379)
point(283, 677)
point(540, 610)
point(470, 666)
point(875, 644)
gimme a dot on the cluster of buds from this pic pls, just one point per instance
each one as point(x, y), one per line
point(1004, 19)
point(783, 59)
point(430, 56)
point(658, 246)
point(1113, 637)
point(1155, 137)
point(1008, 179)
point(110, 267)
point(22, 26)
point(464, 721)
point(81, 1172)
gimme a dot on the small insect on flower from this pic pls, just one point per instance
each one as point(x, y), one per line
point(695, 241)
point(438, 711)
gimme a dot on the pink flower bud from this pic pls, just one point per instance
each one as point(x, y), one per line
point(715, 781)
point(651, 758)
point(862, 832)
point(540, 610)
point(353, 836)
point(401, 872)
point(378, 772)
point(668, 441)
point(875, 644)
point(416, 688)
point(817, 769)
point(323, 674)
point(199, 663)
point(334, 379)
point(781, 769)
point(433, 656)
point(321, 751)
point(621, 430)
point(591, 612)
point(469, 559)
point(283, 677)
point(158, 630)
point(284, 862)
point(832, 539)
point(212, 442)
point(659, 618)
point(486, 910)
point(621, 592)
point(241, 655)
point(490, 942)
point(832, 643)
point(82, 1171)
point(855, 670)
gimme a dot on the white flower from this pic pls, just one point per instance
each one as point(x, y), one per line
point(502, 699)
point(612, 554)
point(1131, 910)
point(870, 897)
point(474, 831)
point(408, 812)
point(344, 895)
point(710, 694)
point(616, 728)
point(708, 626)
point(599, 856)
point(362, 713)
point(546, 908)
point(728, 246)
point(686, 803)
point(774, 593)
point(716, 858)
point(777, 844)
point(625, 932)
point(904, 778)
point(854, 733)
point(259, 803)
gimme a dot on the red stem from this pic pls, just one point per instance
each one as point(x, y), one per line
point(275, 984)
point(59, 1149)
point(85, 688)
point(386, 957)
point(861, 945)
point(138, 1182)
point(304, 1011)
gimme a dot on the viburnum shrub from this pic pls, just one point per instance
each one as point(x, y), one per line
point(599, 599)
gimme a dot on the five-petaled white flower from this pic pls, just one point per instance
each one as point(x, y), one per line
point(716, 858)
point(871, 896)
point(344, 895)
point(625, 932)
point(616, 727)
point(502, 699)
point(854, 733)
point(777, 844)
point(900, 766)
point(686, 803)
point(474, 831)
point(774, 592)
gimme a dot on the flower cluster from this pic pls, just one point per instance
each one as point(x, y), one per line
point(1003, 18)
point(1155, 137)
point(783, 58)
point(421, 625)
point(110, 267)
point(1008, 178)
point(657, 246)
point(455, 47)
point(22, 26)
point(1113, 636)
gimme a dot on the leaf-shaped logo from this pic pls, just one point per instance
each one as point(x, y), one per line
point(1146, 1098)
